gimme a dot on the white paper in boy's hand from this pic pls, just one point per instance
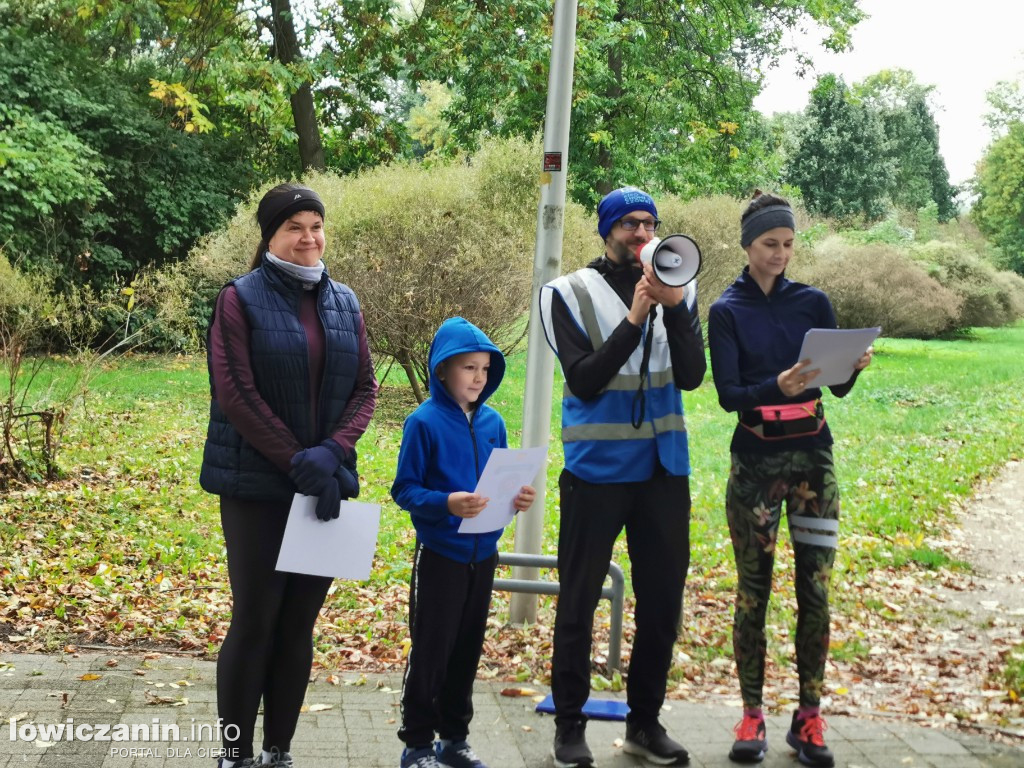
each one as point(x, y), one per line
point(835, 352)
point(507, 471)
point(341, 549)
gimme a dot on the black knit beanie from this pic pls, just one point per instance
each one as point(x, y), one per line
point(282, 202)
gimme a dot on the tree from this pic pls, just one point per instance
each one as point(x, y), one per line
point(999, 210)
point(842, 164)
point(286, 49)
point(101, 178)
point(656, 84)
point(1006, 100)
point(919, 175)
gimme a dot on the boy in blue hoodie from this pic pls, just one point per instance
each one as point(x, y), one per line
point(445, 444)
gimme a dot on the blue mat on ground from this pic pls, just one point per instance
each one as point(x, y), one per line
point(597, 709)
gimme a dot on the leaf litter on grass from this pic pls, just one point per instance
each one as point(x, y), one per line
point(128, 554)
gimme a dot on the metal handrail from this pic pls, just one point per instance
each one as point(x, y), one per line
point(616, 593)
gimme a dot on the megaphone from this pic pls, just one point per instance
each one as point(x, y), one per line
point(676, 259)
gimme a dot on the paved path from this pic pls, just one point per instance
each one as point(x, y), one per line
point(352, 724)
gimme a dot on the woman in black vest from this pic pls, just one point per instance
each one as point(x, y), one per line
point(292, 390)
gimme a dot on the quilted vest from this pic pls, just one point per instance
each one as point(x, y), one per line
point(280, 364)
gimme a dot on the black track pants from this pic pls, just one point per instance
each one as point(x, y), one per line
point(656, 516)
point(448, 606)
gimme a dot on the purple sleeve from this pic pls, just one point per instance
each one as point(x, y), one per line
point(234, 387)
point(361, 402)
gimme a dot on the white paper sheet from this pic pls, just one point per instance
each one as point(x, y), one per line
point(342, 548)
point(506, 472)
point(835, 352)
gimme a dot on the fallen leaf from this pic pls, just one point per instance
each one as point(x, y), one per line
point(90, 676)
point(518, 692)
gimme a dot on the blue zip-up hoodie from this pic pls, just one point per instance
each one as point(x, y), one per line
point(444, 452)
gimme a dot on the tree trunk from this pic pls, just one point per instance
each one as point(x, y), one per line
point(605, 161)
point(405, 360)
point(286, 43)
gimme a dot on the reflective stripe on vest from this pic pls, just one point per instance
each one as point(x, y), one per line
point(601, 445)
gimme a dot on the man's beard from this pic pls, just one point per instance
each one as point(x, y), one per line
point(622, 252)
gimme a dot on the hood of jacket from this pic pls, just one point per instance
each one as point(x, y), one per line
point(457, 336)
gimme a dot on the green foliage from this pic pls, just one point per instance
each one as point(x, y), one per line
point(426, 124)
point(362, 96)
point(919, 174)
point(1006, 99)
point(999, 210)
point(888, 231)
point(46, 169)
point(118, 187)
point(841, 164)
point(662, 94)
point(877, 285)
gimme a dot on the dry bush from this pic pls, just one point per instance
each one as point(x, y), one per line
point(1012, 289)
point(33, 414)
point(988, 299)
point(419, 245)
point(877, 285)
point(714, 224)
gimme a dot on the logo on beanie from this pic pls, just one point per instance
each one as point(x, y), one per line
point(631, 196)
point(297, 196)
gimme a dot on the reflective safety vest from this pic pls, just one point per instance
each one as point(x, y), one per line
point(601, 445)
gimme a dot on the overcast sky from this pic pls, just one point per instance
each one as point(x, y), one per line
point(962, 48)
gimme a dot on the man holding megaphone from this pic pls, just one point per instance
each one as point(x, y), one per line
point(627, 334)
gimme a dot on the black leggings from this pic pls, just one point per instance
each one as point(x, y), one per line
point(268, 651)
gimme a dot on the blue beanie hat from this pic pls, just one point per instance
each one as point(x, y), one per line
point(618, 203)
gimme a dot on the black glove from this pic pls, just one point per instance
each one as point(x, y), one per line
point(313, 467)
point(329, 503)
point(348, 482)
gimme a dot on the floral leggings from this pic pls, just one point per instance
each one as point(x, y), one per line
point(758, 484)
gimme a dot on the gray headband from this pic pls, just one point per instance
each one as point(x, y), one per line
point(769, 217)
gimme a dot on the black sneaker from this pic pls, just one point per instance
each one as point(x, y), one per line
point(421, 757)
point(807, 737)
point(570, 749)
point(653, 744)
point(278, 759)
point(458, 754)
point(751, 742)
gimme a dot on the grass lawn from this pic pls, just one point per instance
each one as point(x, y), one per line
point(127, 549)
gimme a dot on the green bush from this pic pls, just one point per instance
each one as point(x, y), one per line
point(23, 305)
point(889, 231)
point(877, 285)
point(1012, 290)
